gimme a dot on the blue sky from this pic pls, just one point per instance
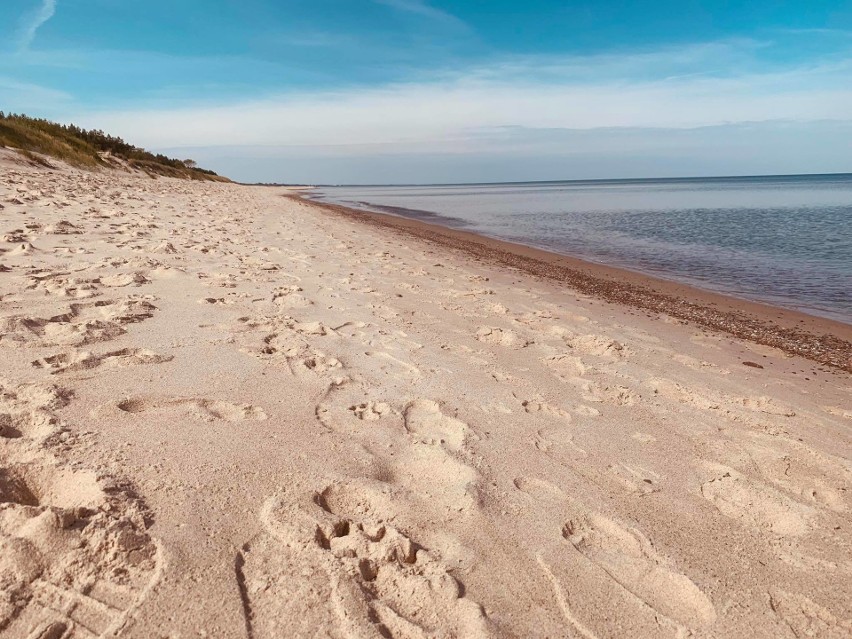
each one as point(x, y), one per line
point(424, 91)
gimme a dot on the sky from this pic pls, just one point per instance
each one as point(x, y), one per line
point(427, 91)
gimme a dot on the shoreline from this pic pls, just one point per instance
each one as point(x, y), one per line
point(455, 223)
point(823, 340)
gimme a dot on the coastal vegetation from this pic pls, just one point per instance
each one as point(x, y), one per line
point(40, 139)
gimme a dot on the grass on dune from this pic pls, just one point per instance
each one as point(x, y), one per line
point(36, 137)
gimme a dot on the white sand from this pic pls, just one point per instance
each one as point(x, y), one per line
point(227, 414)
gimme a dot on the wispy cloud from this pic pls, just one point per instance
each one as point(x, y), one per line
point(815, 31)
point(421, 8)
point(31, 24)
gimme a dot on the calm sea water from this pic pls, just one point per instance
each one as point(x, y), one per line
point(786, 240)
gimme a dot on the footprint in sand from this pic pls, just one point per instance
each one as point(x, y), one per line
point(637, 575)
point(296, 353)
point(310, 328)
point(56, 331)
point(837, 411)
point(384, 312)
point(425, 421)
point(371, 411)
point(756, 504)
point(315, 361)
point(343, 404)
point(121, 280)
point(501, 337)
point(330, 564)
point(418, 441)
point(671, 390)
point(558, 442)
point(635, 479)
point(26, 410)
point(540, 489)
point(56, 283)
point(437, 447)
point(611, 562)
point(815, 478)
point(611, 394)
point(128, 310)
point(290, 297)
point(631, 560)
point(392, 366)
point(85, 360)
point(202, 408)
point(567, 367)
point(806, 618)
point(597, 345)
point(763, 404)
point(704, 399)
point(82, 324)
point(74, 562)
point(539, 406)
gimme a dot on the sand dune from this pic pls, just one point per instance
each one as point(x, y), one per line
point(228, 413)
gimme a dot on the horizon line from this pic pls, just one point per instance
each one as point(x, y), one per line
point(566, 181)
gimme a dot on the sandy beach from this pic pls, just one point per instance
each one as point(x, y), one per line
point(227, 412)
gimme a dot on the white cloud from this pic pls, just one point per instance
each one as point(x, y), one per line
point(519, 113)
point(454, 109)
point(30, 26)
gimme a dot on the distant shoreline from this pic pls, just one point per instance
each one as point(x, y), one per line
point(709, 178)
point(819, 339)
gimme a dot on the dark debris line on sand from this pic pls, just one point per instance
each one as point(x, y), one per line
point(829, 350)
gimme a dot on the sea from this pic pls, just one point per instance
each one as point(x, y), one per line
point(784, 240)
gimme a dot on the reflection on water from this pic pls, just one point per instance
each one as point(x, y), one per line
point(785, 240)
